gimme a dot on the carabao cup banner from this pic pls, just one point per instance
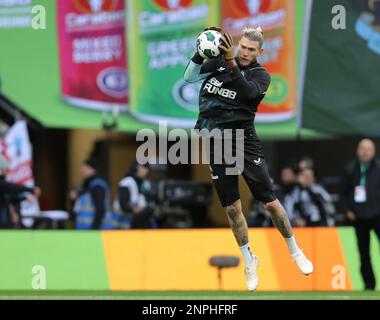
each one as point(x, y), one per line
point(69, 74)
point(92, 47)
point(77, 70)
point(277, 19)
point(162, 36)
point(341, 92)
point(176, 260)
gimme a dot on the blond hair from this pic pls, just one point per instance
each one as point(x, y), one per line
point(254, 34)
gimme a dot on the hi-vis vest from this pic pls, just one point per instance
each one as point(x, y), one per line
point(85, 209)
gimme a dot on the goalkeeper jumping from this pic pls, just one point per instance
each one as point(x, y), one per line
point(246, 83)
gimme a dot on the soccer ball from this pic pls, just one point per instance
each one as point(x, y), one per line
point(208, 43)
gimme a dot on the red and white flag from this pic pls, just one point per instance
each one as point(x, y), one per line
point(17, 149)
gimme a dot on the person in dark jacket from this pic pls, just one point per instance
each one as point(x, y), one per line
point(133, 197)
point(92, 202)
point(361, 199)
point(288, 181)
point(10, 195)
point(309, 204)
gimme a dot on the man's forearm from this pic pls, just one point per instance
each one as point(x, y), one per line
point(198, 69)
point(193, 69)
point(192, 72)
point(98, 196)
point(346, 204)
point(248, 89)
point(14, 188)
point(197, 59)
point(98, 219)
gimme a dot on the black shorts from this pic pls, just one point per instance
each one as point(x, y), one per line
point(255, 173)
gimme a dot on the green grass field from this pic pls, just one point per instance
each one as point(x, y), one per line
point(185, 295)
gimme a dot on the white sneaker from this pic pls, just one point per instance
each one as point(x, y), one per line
point(303, 263)
point(251, 277)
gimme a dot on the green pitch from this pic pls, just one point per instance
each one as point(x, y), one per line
point(185, 295)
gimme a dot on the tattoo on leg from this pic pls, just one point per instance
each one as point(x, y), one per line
point(281, 222)
point(240, 229)
point(232, 213)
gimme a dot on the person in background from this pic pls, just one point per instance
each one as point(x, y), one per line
point(133, 197)
point(306, 163)
point(361, 200)
point(92, 207)
point(11, 194)
point(288, 181)
point(309, 204)
point(258, 215)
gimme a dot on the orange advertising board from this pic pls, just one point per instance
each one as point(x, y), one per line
point(179, 260)
point(277, 19)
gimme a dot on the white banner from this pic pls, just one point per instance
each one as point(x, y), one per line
point(19, 153)
point(17, 148)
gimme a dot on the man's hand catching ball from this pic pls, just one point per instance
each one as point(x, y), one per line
point(212, 28)
point(227, 46)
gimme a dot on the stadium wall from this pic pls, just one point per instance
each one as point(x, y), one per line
point(175, 260)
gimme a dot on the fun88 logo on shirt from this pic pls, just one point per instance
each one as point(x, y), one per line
point(213, 86)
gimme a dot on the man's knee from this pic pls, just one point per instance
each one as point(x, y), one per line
point(273, 206)
point(234, 210)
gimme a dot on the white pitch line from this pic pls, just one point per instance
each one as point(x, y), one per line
point(186, 297)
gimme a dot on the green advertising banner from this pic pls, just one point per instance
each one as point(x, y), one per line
point(70, 73)
point(76, 63)
point(341, 93)
point(162, 37)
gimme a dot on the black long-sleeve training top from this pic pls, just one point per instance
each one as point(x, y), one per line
point(229, 98)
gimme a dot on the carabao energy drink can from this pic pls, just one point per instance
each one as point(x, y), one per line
point(162, 35)
point(277, 19)
point(92, 44)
